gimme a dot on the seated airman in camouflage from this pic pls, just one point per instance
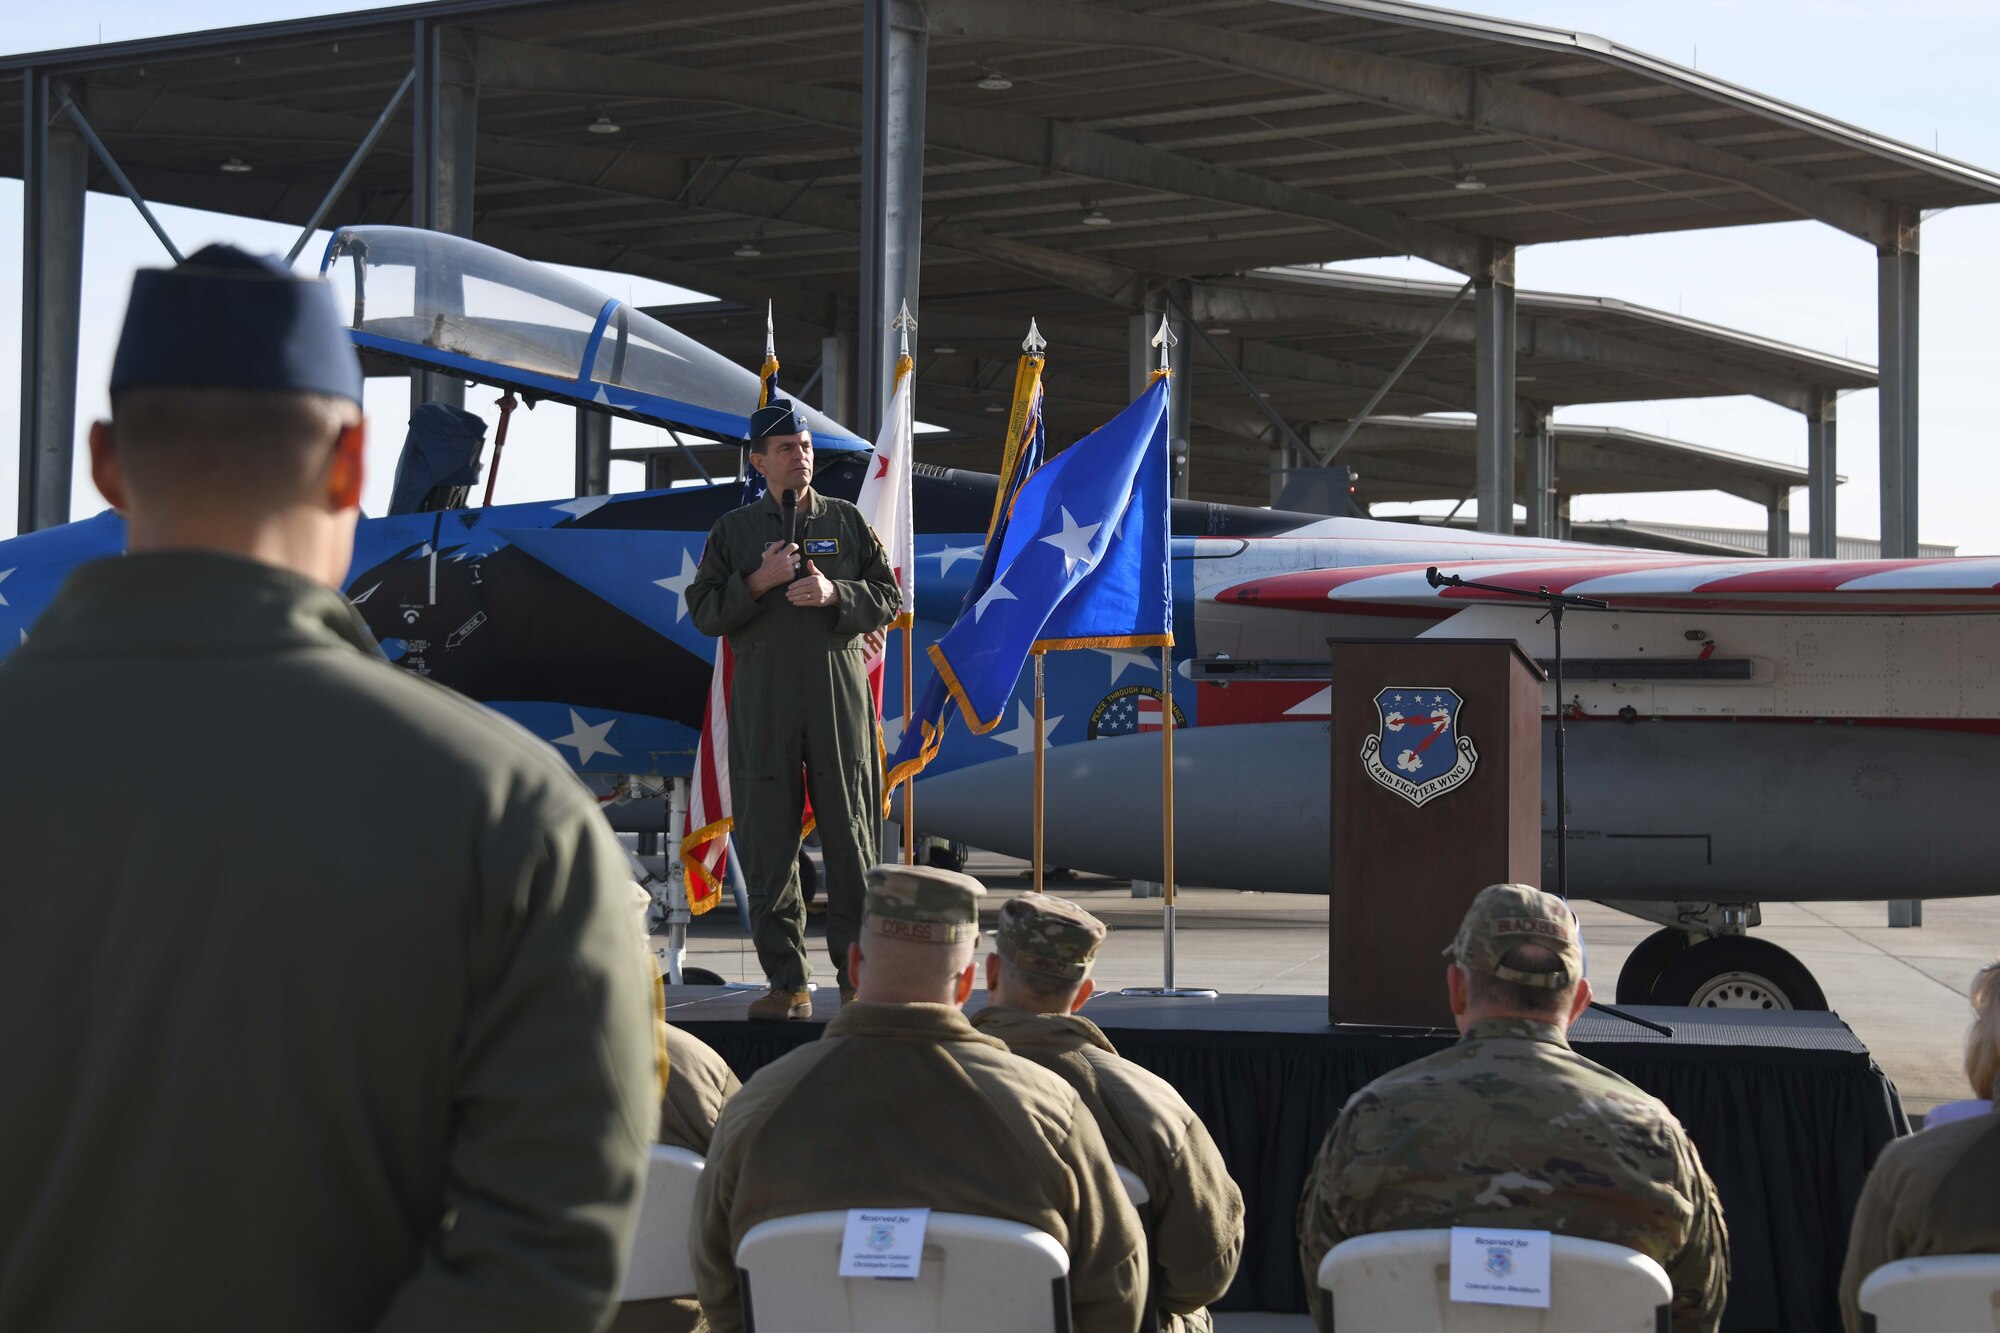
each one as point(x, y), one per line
point(903, 1105)
point(1037, 979)
point(1512, 1128)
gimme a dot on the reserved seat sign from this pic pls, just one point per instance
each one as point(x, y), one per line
point(1492, 1267)
point(887, 1242)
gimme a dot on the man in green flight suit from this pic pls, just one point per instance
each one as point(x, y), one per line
point(796, 593)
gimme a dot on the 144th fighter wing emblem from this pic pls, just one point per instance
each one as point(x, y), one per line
point(1417, 751)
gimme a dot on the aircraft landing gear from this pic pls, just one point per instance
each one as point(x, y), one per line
point(1704, 960)
point(1737, 972)
point(1642, 968)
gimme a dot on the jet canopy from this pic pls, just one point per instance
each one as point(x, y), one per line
point(454, 305)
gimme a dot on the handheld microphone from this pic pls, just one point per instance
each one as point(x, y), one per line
point(790, 501)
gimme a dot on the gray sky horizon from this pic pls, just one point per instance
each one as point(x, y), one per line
point(1924, 79)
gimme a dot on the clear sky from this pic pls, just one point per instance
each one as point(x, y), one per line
point(1919, 71)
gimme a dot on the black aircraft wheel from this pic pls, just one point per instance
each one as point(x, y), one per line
point(1737, 972)
point(808, 878)
point(1642, 968)
point(701, 976)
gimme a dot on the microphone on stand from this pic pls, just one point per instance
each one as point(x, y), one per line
point(790, 501)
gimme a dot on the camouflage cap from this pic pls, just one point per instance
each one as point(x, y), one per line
point(922, 904)
point(1049, 935)
point(1506, 915)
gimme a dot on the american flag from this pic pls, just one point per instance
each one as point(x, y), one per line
point(1149, 713)
point(1128, 714)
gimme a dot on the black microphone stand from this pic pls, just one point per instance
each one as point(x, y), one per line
point(1557, 603)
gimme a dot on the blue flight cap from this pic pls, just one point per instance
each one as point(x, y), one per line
point(224, 318)
point(780, 416)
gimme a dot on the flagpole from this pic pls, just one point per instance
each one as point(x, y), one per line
point(910, 782)
point(1165, 341)
point(1167, 803)
point(1040, 731)
point(904, 324)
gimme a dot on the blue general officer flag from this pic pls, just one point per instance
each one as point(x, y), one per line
point(1083, 564)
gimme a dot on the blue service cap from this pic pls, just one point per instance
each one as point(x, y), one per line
point(780, 416)
point(225, 318)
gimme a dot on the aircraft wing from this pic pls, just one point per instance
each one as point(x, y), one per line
point(1817, 587)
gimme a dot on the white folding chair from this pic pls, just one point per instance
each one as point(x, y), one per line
point(1397, 1282)
point(1944, 1293)
point(1001, 1277)
point(1135, 1188)
point(660, 1265)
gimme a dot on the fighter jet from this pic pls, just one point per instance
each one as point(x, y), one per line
point(1741, 731)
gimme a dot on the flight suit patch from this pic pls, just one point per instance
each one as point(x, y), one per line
point(823, 546)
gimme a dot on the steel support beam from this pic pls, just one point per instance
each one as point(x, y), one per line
point(894, 55)
point(1822, 478)
point(1481, 102)
point(1896, 324)
point(1056, 147)
point(444, 147)
point(593, 452)
point(836, 376)
point(1538, 437)
point(55, 166)
point(1549, 336)
point(1493, 390)
point(1778, 525)
point(111, 167)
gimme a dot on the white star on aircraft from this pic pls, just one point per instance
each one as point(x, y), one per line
point(588, 741)
point(584, 505)
point(1022, 737)
point(951, 555)
point(677, 584)
point(1122, 661)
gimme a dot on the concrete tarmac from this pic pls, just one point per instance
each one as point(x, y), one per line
point(1903, 991)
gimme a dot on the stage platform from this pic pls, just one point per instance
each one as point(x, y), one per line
point(1787, 1110)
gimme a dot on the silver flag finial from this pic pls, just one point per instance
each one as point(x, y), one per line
point(1034, 343)
point(904, 324)
point(770, 332)
point(1165, 340)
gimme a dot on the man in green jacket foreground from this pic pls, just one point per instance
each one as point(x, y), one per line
point(334, 1017)
point(796, 593)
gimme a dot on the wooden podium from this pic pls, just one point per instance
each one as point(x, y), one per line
point(1436, 793)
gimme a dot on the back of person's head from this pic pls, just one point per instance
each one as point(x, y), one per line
point(1518, 954)
point(1043, 950)
point(235, 413)
point(919, 930)
point(227, 448)
point(1982, 1039)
